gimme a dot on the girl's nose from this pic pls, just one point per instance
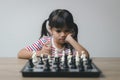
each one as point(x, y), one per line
point(63, 34)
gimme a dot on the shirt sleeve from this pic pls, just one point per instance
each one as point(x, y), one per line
point(36, 46)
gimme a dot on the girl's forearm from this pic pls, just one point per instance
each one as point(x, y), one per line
point(25, 54)
point(77, 46)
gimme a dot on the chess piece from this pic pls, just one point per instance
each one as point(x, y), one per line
point(83, 57)
point(47, 65)
point(81, 66)
point(69, 57)
point(56, 57)
point(63, 56)
point(34, 58)
point(49, 57)
point(77, 58)
point(89, 64)
point(58, 64)
point(31, 65)
point(65, 63)
point(73, 63)
point(41, 59)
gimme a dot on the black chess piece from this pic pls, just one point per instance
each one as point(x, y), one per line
point(47, 65)
point(56, 60)
point(89, 64)
point(31, 65)
point(81, 66)
point(65, 64)
point(58, 68)
point(73, 63)
point(41, 61)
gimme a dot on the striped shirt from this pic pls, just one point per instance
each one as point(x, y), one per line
point(36, 46)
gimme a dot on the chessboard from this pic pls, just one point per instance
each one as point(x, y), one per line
point(55, 67)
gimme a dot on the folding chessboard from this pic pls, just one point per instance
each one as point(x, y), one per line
point(40, 71)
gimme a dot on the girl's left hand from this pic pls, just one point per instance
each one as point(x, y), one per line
point(69, 37)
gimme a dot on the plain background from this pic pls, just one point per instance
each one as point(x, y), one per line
point(98, 22)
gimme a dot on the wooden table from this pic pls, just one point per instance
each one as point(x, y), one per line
point(10, 69)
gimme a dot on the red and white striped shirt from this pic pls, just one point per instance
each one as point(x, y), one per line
point(36, 46)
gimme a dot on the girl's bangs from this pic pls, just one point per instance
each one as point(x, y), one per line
point(61, 23)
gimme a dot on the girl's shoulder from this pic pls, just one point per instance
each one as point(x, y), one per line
point(45, 38)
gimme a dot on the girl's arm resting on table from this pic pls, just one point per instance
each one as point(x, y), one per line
point(76, 45)
point(25, 54)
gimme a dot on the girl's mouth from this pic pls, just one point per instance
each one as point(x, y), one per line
point(62, 40)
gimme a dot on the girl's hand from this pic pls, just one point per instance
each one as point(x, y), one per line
point(69, 37)
point(46, 49)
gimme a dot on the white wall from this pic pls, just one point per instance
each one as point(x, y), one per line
point(98, 21)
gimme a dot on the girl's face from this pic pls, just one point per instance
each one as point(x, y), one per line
point(60, 34)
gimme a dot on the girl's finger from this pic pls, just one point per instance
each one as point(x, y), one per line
point(48, 44)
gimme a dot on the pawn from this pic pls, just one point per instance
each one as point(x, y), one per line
point(89, 64)
point(56, 57)
point(65, 63)
point(41, 59)
point(58, 64)
point(31, 65)
point(77, 58)
point(73, 63)
point(47, 65)
point(50, 59)
point(34, 58)
point(69, 56)
point(63, 56)
point(81, 66)
point(56, 60)
point(83, 57)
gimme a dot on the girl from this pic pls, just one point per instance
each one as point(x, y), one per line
point(59, 32)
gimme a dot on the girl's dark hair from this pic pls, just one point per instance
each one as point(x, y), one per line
point(61, 18)
point(44, 31)
point(75, 31)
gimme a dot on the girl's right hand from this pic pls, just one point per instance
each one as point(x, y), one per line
point(46, 49)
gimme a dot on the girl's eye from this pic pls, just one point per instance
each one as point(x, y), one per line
point(67, 30)
point(58, 31)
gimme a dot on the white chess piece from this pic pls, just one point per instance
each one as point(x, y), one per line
point(41, 58)
point(83, 56)
point(49, 57)
point(69, 56)
point(77, 56)
point(56, 53)
point(63, 56)
point(34, 58)
point(41, 55)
